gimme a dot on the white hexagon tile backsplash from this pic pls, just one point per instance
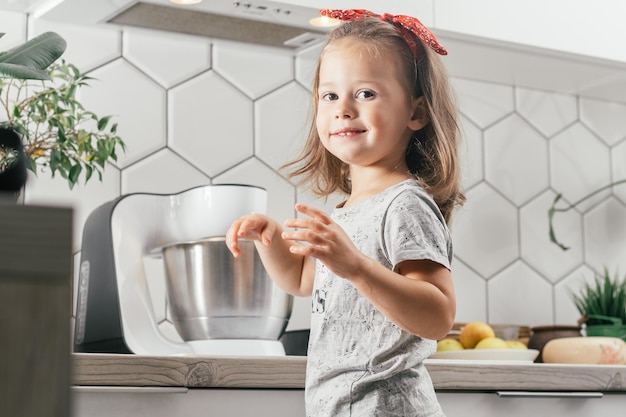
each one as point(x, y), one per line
point(136, 102)
point(197, 111)
point(547, 112)
point(192, 55)
point(210, 123)
point(516, 159)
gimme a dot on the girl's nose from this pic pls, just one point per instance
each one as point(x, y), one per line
point(344, 112)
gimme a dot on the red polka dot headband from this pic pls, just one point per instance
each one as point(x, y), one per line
point(404, 24)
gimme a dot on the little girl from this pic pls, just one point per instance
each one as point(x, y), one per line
point(378, 268)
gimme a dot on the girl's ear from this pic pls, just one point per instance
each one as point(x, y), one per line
point(420, 117)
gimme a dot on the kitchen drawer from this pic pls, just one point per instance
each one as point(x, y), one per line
point(96, 401)
point(535, 404)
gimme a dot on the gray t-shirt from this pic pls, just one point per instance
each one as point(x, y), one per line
point(360, 364)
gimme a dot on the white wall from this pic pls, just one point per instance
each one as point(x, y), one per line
point(196, 111)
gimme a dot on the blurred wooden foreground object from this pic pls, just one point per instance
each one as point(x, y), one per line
point(35, 310)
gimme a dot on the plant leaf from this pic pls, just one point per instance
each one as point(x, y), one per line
point(22, 72)
point(102, 123)
point(74, 173)
point(88, 172)
point(29, 60)
point(551, 211)
point(31, 165)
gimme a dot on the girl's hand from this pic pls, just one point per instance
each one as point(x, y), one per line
point(256, 227)
point(327, 241)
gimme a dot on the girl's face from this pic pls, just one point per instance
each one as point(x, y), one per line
point(365, 116)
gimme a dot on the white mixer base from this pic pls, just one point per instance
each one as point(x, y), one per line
point(237, 347)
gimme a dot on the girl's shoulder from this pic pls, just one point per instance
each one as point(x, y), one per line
point(410, 196)
point(405, 186)
point(409, 189)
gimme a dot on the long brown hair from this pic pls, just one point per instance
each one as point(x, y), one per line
point(432, 151)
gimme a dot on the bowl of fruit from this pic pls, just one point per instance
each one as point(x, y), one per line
point(482, 341)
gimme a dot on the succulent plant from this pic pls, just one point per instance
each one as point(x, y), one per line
point(605, 297)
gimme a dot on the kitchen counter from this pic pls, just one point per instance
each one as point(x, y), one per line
point(288, 372)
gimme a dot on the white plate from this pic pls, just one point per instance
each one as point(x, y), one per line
point(522, 355)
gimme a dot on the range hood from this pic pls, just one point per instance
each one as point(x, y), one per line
point(253, 21)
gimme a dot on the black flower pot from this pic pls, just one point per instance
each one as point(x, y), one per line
point(12, 177)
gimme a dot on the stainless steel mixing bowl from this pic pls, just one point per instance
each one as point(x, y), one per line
point(213, 295)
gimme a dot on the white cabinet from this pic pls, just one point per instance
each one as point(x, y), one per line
point(578, 27)
point(184, 402)
point(212, 402)
point(490, 404)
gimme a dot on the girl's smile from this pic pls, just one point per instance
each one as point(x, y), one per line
point(347, 132)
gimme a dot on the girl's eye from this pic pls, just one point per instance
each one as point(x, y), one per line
point(329, 96)
point(365, 94)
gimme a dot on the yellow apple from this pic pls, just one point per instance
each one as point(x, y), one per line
point(448, 344)
point(515, 344)
point(474, 332)
point(491, 343)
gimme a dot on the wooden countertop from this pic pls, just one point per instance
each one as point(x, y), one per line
point(288, 372)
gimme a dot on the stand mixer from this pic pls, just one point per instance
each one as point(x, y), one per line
point(218, 304)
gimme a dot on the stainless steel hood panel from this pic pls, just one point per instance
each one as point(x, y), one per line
point(213, 25)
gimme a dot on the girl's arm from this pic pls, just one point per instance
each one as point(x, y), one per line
point(418, 296)
point(292, 272)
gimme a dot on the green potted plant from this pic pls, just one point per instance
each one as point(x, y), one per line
point(602, 305)
point(38, 99)
point(28, 61)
